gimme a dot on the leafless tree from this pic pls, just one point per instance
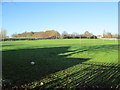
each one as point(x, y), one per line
point(74, 34)
point(14, 35)
point(87, 34)
point(64, 34)
point(3, 34)
point(109, 35)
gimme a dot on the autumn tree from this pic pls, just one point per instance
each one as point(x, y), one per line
point(46, 34)
point(56, 34)
point(52, 34)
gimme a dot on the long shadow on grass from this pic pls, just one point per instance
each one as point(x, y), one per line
point(17, 69)
point(6, 45)
point(104, 75)
point(95, 49)
point(92, 74)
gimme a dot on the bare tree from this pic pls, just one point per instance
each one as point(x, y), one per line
point(74, 34)
point(3, 34)
point(80, 36)
point(87, 34)
point(64, 34)
point(115, 35)
point(14, 35)
point(109, 35)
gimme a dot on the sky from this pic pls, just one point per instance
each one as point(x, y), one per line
point(95, 17)
point(60, 0)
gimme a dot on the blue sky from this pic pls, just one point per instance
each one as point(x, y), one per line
point(18, 17)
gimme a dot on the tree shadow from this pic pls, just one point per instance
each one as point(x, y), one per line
point(95, 75)
point(6, 45)
point(94, 49)
point(17, 69)
point(104, 75)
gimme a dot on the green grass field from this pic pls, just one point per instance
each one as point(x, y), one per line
point(63, 63)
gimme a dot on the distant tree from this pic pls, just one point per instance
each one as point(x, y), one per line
point(74, 34)
point(80, 36)
point(14, 35)
point(32, 32)
point(3, 33)
point(93, 36)
point(109, 35)
point(46, 34)
point(52, 34)
point(104, 34)
point(118, 36)
point(115, 35)
point(87, 34)
point(56, 34)
point(64, 34)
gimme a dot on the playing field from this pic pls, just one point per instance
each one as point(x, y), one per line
point(60, 63)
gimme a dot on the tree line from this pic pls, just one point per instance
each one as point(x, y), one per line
point(53, 34)
point(86, 34)
point(64, 35)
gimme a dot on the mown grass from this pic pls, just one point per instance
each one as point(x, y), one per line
point(63, 63)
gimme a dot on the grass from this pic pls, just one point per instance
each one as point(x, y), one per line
point(63, 63)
